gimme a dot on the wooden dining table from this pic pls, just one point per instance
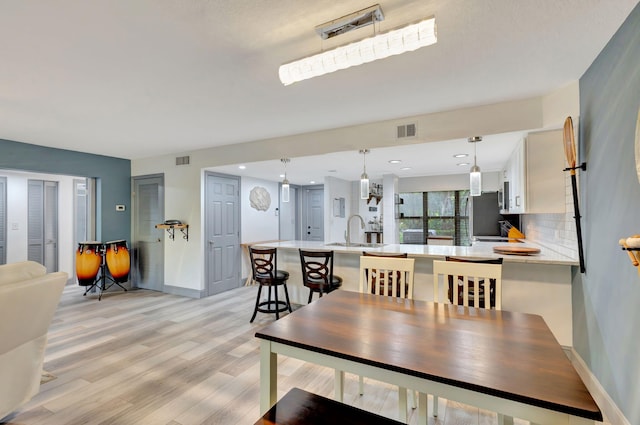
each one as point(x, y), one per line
point(501, 361)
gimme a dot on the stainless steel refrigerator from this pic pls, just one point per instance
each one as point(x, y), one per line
point(485, 215)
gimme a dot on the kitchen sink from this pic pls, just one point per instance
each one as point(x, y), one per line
point(356, 244)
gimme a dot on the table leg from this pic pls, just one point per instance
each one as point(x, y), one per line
point(339, 385)
point(268, 377)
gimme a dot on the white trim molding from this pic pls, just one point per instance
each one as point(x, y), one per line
point(612, 414)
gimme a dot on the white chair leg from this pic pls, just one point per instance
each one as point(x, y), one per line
point(504, 420)
point(402, 404)
point(413, 396)
point(361, 384)
point(435, 406)
point(423, 409)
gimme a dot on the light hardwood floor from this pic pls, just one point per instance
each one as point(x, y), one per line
point(144, 357)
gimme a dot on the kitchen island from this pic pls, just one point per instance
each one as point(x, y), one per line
point(536, 284)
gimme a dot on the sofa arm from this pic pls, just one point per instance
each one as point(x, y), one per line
point(23, 270)
point(27, 308)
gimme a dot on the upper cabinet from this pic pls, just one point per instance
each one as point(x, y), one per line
point(535, 175)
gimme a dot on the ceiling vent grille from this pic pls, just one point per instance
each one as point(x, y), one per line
point(351, 22)
point(407, 130)
point(182, 160)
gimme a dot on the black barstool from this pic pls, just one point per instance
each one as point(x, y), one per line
point(317, 272)
point(264, 266)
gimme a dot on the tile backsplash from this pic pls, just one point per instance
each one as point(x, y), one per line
point(554, 231)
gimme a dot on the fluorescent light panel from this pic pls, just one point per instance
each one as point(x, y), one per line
point(394, 42)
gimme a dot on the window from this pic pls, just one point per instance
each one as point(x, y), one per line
point(442, 213)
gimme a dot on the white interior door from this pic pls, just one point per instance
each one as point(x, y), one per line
point(313, 214)
point(42, 223)
point(222, 228)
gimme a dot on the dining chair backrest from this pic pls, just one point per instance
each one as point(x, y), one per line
point(467, 273)
point(387, 276)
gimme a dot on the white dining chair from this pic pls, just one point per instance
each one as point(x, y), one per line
point(471, 283)
point(386, 276)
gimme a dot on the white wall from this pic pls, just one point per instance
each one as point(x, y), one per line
point(258, 226)
point(490, 183)
point(335, 227)
point(17, 218)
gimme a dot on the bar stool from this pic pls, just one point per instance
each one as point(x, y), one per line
point(317, 272)
point(264, 266)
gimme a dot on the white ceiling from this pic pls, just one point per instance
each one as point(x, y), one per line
point(141, 78)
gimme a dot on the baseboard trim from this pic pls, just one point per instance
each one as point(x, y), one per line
point(610, 410)
point(183, 292)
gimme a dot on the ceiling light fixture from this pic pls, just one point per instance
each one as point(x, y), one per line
point(364, 178)
point(394, 161)
point(285, 182)
point(380, 46)
point(475, 176)
point(461, 155)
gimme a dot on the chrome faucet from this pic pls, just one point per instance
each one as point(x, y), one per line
point(347, 236)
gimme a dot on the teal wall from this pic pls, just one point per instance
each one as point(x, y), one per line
point(606, 300)
point(113, 174)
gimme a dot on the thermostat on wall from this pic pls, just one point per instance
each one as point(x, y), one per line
point(120, 208)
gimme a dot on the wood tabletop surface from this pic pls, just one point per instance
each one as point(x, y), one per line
point(506, 354)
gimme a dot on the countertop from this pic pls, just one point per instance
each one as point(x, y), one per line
point(478, 249)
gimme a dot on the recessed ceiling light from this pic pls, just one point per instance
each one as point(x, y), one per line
point(462, 164)
point(394, 161)
point(461, 155)
point(405, 168)
point(242, 167)
point(312, 182)
point(281, 176)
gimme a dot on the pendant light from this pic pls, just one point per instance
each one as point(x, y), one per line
point(475, 176)
point(364, 178)
point(285, 182)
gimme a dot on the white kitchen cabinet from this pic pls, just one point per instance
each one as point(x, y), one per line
point(546, 180)
point(535, 175)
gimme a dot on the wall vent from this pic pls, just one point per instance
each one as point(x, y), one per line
point(408, 130)
point(182, 160)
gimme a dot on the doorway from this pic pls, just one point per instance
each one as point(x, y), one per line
point(148, 247)
point(42, 223)
point(222, 232)
point(3, 220)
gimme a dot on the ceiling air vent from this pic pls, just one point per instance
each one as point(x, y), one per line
point(350, 22)
point(182, 160)
point(408, 130)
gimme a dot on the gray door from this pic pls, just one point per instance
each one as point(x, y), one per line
point(222, 229)
point(148, 242)
point(42, 223)
point(3, 220)
point(313, 213)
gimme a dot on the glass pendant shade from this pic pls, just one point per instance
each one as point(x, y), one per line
point(364, 186)
point(475, 181)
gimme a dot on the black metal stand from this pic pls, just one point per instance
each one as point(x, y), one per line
point(100, 282)
point(576, 209)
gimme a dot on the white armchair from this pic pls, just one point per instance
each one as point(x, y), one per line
point(28, 299)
